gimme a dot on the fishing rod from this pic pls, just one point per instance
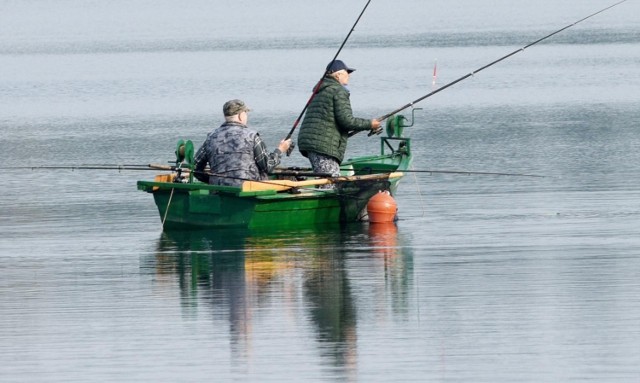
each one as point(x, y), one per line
point(384, 117)
point(428, 171)
point(317, 87)
point(298, 173)
point(288, 172)
point(94, 167)
point(464, 172)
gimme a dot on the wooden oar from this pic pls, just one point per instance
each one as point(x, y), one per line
point(281, 185)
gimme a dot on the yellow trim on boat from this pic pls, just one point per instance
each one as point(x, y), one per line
point(162, 178)
point(281, 185)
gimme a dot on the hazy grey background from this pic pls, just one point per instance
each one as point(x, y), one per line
point(483, 279)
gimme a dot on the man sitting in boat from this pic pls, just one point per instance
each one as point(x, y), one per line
point(234, 152)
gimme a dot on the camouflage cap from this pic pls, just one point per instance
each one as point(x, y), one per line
point(233, 107)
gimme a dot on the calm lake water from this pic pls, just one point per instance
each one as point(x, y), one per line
point(483, 278)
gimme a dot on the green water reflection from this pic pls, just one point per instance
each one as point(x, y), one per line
point(312, 271)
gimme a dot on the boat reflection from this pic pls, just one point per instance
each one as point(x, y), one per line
point(241, 277)
point(397, 262)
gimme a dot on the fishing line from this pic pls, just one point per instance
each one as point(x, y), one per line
point(166, 212)
point(168, 204)
point(415, 273)
point(422, 204)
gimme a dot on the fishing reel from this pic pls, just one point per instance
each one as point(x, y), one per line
point(184, 159)
point(396, 123)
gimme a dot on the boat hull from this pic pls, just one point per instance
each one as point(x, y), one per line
point(201, 206)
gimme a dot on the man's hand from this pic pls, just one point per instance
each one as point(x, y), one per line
point(376, 127)
point(285, 145)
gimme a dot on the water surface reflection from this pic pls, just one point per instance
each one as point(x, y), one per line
point(303, 280)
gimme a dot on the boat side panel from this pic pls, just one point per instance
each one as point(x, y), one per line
point(217, 210)
point(203, 209)
point(292, 212)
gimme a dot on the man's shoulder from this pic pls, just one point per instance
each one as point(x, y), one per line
point(233, 129)
point(228, 128)
point(332, 84)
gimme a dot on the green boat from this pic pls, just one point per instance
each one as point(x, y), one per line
point(289, 198)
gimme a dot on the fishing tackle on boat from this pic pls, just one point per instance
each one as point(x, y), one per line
point(317, 87)
point(394, 126)
point(440, 89)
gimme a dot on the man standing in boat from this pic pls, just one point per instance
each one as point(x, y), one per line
point(329, 120)
point(235, 152)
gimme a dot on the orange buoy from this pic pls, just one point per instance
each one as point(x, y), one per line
point(382, 207)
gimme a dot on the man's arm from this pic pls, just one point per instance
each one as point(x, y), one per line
point(266, 161)
point(344, 115)
point(200, 160)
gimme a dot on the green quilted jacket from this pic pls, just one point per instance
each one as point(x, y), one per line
point(328, 121)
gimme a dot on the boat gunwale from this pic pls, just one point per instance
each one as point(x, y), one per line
point(309, 190)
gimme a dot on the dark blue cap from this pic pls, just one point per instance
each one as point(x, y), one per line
point(337, 65)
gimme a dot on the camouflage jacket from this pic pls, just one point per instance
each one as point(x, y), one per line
point(328, 121)
point(234, 153)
